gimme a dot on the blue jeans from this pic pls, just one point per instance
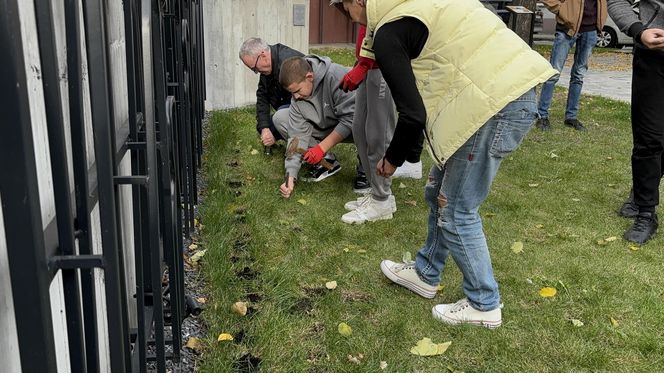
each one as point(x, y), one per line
point(585, 41)
point(454, 195)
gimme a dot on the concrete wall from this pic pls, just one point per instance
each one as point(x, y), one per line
point(227, 24)
point(9, 348)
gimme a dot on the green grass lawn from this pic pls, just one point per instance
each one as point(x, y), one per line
point(558, 194)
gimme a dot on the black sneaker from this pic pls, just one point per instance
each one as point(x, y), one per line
point(629, 209)
point(361, 183)
point(320, 173)
point(543, 124)
point(574, 123)
point(644, 228)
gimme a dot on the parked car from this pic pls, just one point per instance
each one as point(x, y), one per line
point(609, 37)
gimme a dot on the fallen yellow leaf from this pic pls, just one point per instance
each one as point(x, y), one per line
point(383, 365)
point(331, 285)
point(547, 292)
point(539, 226)
point(194, 344)
point(196, 257)
point(344, 329)
point(302, 201)
point(634, 247)
point(611, 239)
point(346, 249)
point(425, 347)
point(201, 300)
point(577, 323)
point(254, 151)
point(239, 308)
point(361, 251)
point(410, 202)
point(195, 222)
point(533, 185)
point(224, 337)
point(517, 247)
point(614, 322)
point(193, 246)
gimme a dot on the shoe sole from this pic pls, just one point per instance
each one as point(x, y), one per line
point(487, 324)
point(407, 284)
point(384, 217)
point(321, 178)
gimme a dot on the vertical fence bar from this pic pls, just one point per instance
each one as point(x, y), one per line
point(20, 201)
point(80, 164)
point(103, 125)
point(135, 106)
point(60, 172)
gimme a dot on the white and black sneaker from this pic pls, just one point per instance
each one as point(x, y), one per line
point(320, 173)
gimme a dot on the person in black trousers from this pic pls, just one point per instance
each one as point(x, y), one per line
point(647, 29)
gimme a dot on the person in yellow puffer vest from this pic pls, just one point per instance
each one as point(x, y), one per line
point(460, 75)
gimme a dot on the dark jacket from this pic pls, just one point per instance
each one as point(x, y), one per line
point(270, 92)
point(650, 15)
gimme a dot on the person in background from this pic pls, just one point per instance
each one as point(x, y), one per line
point(266, 60)
point(321, 114)
point(457, 73)
point(577, 24)
point(647, 29)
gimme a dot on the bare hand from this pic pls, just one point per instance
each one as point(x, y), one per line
point(653, 38)
point(384, 168)
point(266, 137)
point(286, 189)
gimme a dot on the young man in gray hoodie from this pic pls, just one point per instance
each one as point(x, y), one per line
point(321, 114)
point(647, 29)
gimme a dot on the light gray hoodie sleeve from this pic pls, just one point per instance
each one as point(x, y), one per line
point(624, 16)
point(300, 129)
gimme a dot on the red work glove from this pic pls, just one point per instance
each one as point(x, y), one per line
point(353, 78)
point(314, 155)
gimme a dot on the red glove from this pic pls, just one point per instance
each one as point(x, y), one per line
point(314, 155)
point(354, 77)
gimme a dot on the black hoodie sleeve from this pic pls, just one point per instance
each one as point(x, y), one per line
point(395, 45)
point(262, 104)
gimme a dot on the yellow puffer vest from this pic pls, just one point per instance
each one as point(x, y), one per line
point(470, 68)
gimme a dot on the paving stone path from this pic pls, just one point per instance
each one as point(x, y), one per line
point(606, 83)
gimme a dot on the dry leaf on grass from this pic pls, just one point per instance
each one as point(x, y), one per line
point(344, 329)
point(194, 344)
point(197, 256)
point(239, 308)
point(383, 365)
point(547, 292)
point(331, 285)
point(223, 337)
point(302, 201)
point(425, 347)
point(577, 323)
point(517, 247)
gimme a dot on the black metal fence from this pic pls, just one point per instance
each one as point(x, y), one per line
point(162, 137)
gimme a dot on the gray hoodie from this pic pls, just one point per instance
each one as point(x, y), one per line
point(650, 15)
point(327, 109)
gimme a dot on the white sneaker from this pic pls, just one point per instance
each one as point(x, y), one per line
point(409, 170)
point(353, 205)
point(370, 210)
point(462, 312)
point(405, 275)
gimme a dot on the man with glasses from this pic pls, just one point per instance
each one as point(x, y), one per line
point(266, 60)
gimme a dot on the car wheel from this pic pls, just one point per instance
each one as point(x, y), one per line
point(607, 38)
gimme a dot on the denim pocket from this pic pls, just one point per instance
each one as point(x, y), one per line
point(511, 128)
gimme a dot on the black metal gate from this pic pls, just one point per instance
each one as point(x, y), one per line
point(165, 96)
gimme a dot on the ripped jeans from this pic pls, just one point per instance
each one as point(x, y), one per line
point(454, 195)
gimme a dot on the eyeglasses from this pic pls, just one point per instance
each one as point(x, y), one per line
point(256, 64)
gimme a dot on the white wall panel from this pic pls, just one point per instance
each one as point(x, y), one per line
point(228, 23)
point(9, 354)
